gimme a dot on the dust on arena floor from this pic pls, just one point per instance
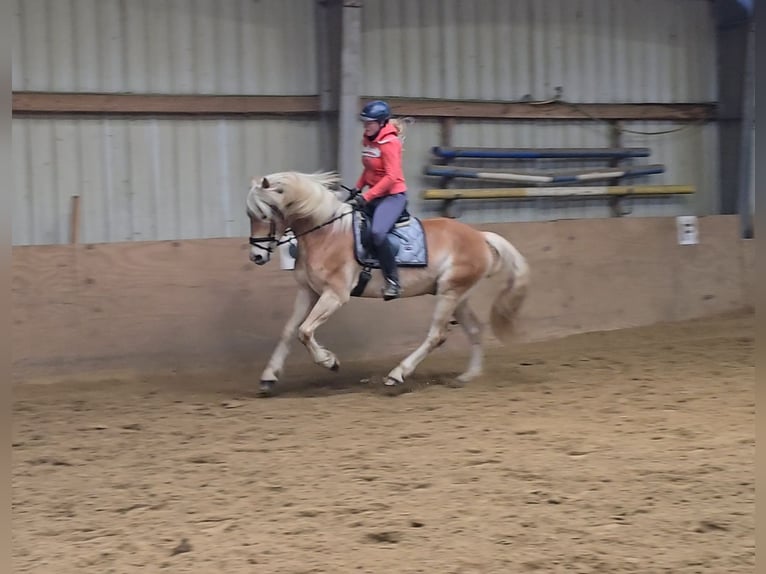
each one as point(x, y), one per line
point(628, 451)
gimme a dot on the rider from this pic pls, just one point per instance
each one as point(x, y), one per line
point(386, 198)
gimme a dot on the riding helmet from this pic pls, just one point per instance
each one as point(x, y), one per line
point(377, 111)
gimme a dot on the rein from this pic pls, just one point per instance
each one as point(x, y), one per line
point(256, 241)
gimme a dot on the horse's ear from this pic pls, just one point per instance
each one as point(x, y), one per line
point(264, 183)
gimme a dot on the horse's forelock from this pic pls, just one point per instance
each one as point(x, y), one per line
point(250, 201)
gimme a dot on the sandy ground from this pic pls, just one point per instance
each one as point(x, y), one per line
point(630, 451)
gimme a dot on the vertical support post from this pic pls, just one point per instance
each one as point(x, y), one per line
point(328, 26)
point(74, 220)
point(733, 21)
point(615, 141)
point(446, 127)
point(349, 131)
point(747, 133)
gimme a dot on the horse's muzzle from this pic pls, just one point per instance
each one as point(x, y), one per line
point(258, 259)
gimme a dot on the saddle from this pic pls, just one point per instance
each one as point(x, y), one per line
point(407, 239)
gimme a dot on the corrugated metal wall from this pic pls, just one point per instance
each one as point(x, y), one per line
point(166, 46)
point(148, 179)
point(167, 178)
point(604, 51)
point(600, 51)
point(153, 179)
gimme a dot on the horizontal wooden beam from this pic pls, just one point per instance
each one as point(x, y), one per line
point(179, 104)
point(528, 192)
point(163, 104)
point(422, 107)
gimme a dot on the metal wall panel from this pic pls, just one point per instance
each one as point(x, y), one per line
point(170, 179)
point(264, 47)
point(148, 179)
point(152, 179)
point(605, 51)
point(601, 51)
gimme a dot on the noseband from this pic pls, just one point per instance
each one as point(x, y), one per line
point(268, 240)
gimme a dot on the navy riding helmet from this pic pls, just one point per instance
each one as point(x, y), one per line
point(377, 111)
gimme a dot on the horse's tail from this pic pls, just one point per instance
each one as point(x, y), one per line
point(505, 307)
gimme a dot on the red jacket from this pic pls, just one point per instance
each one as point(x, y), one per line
point(382, 160)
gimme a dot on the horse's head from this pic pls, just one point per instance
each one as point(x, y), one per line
point(287, 199)
point(266, 220)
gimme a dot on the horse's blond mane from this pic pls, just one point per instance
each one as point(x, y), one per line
point(309, 196)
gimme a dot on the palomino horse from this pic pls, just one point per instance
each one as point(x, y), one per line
point(328, 269)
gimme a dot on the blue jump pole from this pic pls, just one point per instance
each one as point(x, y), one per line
point(523, 153)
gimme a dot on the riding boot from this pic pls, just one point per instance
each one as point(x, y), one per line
point(388, 266)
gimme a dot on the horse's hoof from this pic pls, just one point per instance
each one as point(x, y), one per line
point(267, 388)
point(392, 382)
point(394, 388)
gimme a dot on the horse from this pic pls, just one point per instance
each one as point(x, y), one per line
point(331, 267)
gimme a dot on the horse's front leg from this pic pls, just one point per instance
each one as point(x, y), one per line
point(304, 301)
point(328, 303)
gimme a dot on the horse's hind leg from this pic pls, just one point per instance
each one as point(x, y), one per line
point(473, 330)
point(304, 300)
point(445, 307)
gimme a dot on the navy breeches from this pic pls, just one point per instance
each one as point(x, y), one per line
point(386, 211)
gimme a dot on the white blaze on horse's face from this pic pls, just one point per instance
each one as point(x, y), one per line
point(263, 240)
point(262, 215)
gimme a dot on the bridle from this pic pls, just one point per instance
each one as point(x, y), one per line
point(271, 242)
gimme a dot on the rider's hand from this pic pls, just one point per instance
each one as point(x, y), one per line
point(358, 201)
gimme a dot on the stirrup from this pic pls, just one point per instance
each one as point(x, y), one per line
point(392, 290)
